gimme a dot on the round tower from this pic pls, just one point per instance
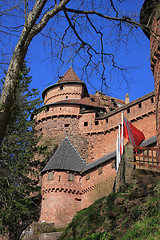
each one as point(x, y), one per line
point(150, 21)
point(61, 185)
point(69, 86)
point(68, 108)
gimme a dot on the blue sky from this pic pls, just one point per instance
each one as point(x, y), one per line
point(136, 56)
point(140, 77)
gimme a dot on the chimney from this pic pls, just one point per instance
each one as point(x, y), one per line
point(127, 98)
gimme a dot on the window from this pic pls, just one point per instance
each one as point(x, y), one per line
point(50, 176)
point(92, 99)
point(100, 170)
point(66, 97)
point(140, 105)
point(152, 100)
point(128, 110)
point(88, 176)
point(71, 177)
point(85, 124)
point(96, 122)
point(97, 114)
point(66, 125)
point(47, 109)
point(61, 87)
point(59, 178)
point(106, 120)
point(83, 108)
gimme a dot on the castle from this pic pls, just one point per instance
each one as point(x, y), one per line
point(85, 128)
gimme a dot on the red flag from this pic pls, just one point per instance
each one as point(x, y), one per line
point(131, 133)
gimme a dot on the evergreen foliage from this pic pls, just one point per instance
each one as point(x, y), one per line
point(18, 170)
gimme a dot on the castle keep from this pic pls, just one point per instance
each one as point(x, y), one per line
point(85, 128)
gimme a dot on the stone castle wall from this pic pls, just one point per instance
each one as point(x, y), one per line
point(61, 198)
point(93, 133)
point(92, 136)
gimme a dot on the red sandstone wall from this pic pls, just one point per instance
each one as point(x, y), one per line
point(97, 186)
point(69, 91)
point(60, 199)
point(94, 141)
point(155, 65)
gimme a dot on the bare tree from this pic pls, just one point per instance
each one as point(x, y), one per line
point(81, 25)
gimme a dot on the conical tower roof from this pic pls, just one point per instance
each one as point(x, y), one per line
point(65, 158)
point(69, 76)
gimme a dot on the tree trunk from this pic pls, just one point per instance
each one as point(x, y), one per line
point(30, 30)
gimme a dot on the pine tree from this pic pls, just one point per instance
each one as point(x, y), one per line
point(18, 170)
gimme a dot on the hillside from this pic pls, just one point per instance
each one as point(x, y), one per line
point(134, 214)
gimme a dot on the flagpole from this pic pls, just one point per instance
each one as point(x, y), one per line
point(119, 144)
point(122, 134)
point(117, 153)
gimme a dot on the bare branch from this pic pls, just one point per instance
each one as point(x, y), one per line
point(10, 9)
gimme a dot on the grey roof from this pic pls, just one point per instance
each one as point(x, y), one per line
point(149, 141)
point(65, 158)
point(99, 161)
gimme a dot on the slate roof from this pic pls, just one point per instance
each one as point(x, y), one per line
point(110, 102)
point(69, 76)
point(149, 142)
point(99, 161)
point(65, 158)
point(83, 101)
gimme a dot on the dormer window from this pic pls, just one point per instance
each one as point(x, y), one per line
point(71, 177)
point(100, 170)
point(50, 176)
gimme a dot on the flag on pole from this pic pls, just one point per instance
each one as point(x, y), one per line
point(134, 135)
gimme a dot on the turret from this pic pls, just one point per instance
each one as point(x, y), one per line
point(61, 185)
point(69, 86)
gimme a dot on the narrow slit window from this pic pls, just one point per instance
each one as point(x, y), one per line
point(128, 110)
point(140, 105)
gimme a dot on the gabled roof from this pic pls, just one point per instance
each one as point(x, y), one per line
point(69, 76)
point(65, 158)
